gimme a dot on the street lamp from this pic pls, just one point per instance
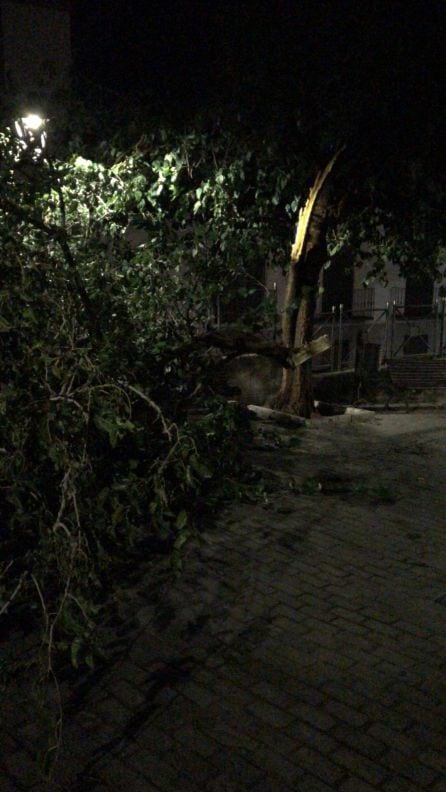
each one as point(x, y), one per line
point(31, 132)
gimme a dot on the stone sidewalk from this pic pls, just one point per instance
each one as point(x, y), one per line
point(303, 648)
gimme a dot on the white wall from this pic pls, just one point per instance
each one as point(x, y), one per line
point(382, 291)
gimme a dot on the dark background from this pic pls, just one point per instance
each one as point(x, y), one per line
point(276, 59)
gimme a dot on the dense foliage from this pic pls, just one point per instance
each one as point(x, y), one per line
point(111, 434)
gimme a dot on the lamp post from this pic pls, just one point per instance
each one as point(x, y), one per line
point(442, 318)
point(341, 310)
point(332, 350)
point(31, 132)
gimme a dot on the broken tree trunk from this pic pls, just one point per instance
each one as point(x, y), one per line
point(308, 254)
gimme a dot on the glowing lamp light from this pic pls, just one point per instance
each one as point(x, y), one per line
point(30, 130)
point(33, 122)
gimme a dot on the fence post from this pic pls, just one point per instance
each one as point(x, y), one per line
point(332, 350)
point(443, 312)
point(434, 334)
point(275, 311)
point(392, 326)
point(341, 308)
point(386, 332)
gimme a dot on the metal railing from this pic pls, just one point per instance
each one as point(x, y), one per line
point(397, 295)
point(396, 331)
point(363, 302)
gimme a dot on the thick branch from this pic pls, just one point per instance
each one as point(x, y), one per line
point(59, 236)
point(248, 343)
point(83, 294)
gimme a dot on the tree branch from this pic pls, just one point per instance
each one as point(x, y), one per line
point(59, 236)
point(248, 343)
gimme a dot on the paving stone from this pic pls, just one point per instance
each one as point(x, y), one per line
point(375, 711)
point(118, 775)
point(357, 740)
point(318, 765)
point(279, 767)
point(305, 692)
point(321, 662)
point(233, 772)
point(110, 709)
point(350, 627)
point(355, 784)
point(128, 695)
point(394, 739)
point(420, 714)
point(273, 695)
point(435, 759)
point(400, 784)
point(193, 739)
point(309, 783)
point(305, 734)
point(316, 717)
point(344, 694)
point(346, 714)
point(426, 737)
point(275, 717)
point(415, 771)
point(199, 694)
point(133, 674)
point(244, 741)
point(156, 770)
point(358, 764)
point(231, 695)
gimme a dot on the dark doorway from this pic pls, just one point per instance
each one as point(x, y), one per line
point(419, 294)
point(338, 286)
point(416, 345)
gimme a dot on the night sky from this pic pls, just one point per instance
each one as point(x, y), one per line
point(321, 68)
point(171, 50)
point(285, 58)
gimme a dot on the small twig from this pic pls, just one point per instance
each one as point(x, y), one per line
point(81, 608)
point(68, 399)
point(42, 602)
point(166, 429)
point(4, 608)
point(64, 486)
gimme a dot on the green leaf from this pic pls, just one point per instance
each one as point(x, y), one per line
point(182, 520)
point(76, 647)
point(181, 540)
point(200, 468)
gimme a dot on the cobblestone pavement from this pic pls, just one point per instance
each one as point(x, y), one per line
point(303, 648)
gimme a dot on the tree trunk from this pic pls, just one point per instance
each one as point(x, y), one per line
point(301, 391)
point(308, 254)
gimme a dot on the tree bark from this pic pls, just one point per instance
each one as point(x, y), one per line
point(308, 254)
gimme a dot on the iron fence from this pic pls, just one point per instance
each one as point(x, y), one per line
point(394, 330)
point(397, 330)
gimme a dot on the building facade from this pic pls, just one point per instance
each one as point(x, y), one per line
point(399, 316)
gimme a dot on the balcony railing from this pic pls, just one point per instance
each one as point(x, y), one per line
point(398, 296)
point(363, 302)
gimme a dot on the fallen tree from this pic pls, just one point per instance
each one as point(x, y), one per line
point(235, 344)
